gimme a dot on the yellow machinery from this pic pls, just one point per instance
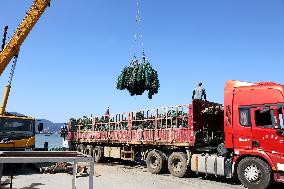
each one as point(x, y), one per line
point(13, 46)
point(18, 132)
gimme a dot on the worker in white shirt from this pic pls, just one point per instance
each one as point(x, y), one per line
point(199, 92)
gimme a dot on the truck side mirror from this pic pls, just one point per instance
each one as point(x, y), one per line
point(40, 127)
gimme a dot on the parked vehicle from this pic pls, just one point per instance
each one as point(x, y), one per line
point(243, 138)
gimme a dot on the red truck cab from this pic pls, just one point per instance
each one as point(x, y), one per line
point(253, 127)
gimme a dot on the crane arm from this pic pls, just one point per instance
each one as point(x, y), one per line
point(13, 46)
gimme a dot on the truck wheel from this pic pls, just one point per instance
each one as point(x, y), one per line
point(177, 164)
point(254, 173)
point(89, 150)
point(98, 154)
point(156, 162)
point(81, 148)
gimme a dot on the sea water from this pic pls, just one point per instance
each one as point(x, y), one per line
point(54, 141)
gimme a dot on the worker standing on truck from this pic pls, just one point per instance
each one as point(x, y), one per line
point(199, 92)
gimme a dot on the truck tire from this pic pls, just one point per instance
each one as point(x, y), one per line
point(81, 148)
point(177, 164)
point(156, 162)
point(254, 173)
point(89, 150)
point(98, 154)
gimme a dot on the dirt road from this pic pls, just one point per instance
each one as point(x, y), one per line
point(120, 176)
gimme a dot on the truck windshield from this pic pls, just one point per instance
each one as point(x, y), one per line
point(16, 124)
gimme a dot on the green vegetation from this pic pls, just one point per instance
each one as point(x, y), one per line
point(138, 78)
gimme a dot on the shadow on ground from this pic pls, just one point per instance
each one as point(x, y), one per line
point(33, 186)
point(231, 181)
point(141, 165)
point(20, 169)
point(277, 185)
point(125, 163)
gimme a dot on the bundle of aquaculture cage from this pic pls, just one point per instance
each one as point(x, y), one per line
point(138, 78)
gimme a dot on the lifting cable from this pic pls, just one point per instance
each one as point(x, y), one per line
point(13, 70)
point(138, 22)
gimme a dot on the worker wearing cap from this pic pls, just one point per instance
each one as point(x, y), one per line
point(199, 92)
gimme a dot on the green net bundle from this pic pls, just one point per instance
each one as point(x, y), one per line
point(138, 78)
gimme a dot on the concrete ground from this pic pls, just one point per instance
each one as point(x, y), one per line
point(118, 176)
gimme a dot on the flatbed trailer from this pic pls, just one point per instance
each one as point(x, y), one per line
point(170, 126)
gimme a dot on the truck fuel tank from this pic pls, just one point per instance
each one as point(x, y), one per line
point(211, 164)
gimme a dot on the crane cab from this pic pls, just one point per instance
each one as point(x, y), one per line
point(17, 132)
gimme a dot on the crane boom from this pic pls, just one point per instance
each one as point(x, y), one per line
point(13, 46)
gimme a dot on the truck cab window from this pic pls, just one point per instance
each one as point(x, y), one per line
point(278, 117)
point(281, 120)
point(16, 125)
point(263, 118)
point(245, 117)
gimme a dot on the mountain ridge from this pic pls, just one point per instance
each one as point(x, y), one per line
point(49, 125)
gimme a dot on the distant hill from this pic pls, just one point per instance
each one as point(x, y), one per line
point(53, 127)
point(16, 113)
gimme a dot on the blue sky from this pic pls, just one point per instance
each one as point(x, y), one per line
point(69, 63)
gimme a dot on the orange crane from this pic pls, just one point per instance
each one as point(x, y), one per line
point(18, 132)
